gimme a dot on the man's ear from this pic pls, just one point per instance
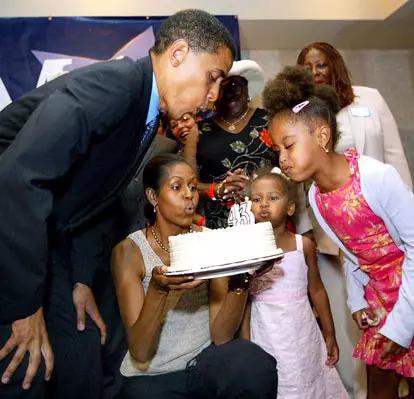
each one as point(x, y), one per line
point(151, 196)
point(177, 52)
point(291, 208)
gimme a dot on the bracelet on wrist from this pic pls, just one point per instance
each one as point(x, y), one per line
point(219, 190)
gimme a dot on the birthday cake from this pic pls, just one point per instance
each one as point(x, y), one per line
point(200, 251)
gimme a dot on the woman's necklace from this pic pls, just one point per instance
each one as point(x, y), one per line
point(159, 242)
point(232, 125)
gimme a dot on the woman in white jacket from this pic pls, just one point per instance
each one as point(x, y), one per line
point(366, 123)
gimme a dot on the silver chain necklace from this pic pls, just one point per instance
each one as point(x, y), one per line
point(232, 125)
point(159, 242)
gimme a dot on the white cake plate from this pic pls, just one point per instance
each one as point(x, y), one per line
point(228, 269)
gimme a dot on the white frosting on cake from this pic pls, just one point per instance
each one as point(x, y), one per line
point(200, 250)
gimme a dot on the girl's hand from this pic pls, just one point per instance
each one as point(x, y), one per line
point(391, 348)
point(166, 283)
point(332, 351)
point(361, 318)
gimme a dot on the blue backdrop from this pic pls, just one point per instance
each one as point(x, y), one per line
point(34, 50)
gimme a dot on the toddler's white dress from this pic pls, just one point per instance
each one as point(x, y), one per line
point(283, 324)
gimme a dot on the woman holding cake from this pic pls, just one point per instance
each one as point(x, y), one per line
point(180, 330)
point(280, 318)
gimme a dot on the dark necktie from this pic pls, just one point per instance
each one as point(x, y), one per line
point(148, 136)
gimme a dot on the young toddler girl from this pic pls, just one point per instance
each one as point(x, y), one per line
point(281, 319)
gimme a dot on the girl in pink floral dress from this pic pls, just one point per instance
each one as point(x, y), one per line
point(364, 206)
point(365, 234)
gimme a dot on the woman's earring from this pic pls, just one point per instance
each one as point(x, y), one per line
point(324, 149)
point(155, 208)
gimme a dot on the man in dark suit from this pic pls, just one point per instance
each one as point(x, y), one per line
point(70, 148)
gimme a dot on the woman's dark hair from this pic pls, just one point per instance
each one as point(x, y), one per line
point(341, 81)
point(155, 172)
point(294, 85)
point(202, 31)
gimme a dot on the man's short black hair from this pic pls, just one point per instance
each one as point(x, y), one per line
point(202, 31)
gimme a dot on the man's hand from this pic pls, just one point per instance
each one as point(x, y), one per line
point(28, 335)
point(84, 302)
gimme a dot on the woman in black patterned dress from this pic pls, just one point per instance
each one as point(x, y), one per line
point(232, 144)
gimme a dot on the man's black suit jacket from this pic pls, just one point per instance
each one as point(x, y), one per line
point(69, 148)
